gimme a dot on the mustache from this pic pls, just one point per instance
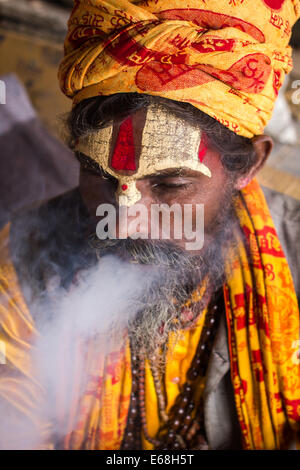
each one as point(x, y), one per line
point(164, 254)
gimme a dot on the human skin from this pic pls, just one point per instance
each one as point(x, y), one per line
point(170, 186)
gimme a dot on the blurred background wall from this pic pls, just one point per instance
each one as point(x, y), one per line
point(34, 162)
point(31, 41)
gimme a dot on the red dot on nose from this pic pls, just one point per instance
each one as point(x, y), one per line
point(124, 187)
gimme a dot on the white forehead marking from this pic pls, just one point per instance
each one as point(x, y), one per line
point(170, 142)
point(167, 142)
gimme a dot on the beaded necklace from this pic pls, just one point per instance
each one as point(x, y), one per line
point(183, 427)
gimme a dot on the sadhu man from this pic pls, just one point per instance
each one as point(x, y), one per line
point(170, 99)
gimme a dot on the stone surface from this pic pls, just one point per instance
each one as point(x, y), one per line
point(35, 62)
point(36, 17)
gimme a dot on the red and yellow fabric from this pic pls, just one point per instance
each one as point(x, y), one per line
point(225, 57)
point(263, 326)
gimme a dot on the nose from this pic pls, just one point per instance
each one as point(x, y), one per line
point(134, 221)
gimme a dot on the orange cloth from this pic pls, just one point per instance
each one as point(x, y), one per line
point(225, 57)
point(263, 324)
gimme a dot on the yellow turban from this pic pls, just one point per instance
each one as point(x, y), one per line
point(225, 57)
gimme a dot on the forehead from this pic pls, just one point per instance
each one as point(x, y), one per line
point(150, 140)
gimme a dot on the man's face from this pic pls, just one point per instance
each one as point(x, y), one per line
point(154, 158)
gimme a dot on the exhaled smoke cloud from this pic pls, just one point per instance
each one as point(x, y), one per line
point(100, 306)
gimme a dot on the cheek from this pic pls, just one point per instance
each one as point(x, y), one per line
point(215, 189)
point(95, 190)
point(209, 192)
point(211, 198)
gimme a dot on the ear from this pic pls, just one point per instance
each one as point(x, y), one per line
point(263, 145)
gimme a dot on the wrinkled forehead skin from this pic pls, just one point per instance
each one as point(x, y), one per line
point(149, 141)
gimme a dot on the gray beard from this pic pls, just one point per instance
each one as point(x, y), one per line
point(177, 275)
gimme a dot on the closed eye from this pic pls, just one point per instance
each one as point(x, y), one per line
point(165, 186)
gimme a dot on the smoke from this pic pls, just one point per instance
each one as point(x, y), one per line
point(84, 298)
point(96, 310)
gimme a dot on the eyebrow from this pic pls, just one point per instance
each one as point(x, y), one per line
point(91, 165)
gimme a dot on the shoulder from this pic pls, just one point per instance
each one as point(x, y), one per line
point(285, 212)
point(17, 329)
point(10, 292)
point(22, 245)
point(48, 245)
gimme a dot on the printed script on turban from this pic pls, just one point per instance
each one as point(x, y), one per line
point(225, 57)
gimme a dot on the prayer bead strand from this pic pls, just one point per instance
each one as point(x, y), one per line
point(180, 429)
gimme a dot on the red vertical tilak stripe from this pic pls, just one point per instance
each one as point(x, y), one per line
point(124, 153)
point(202, 148)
